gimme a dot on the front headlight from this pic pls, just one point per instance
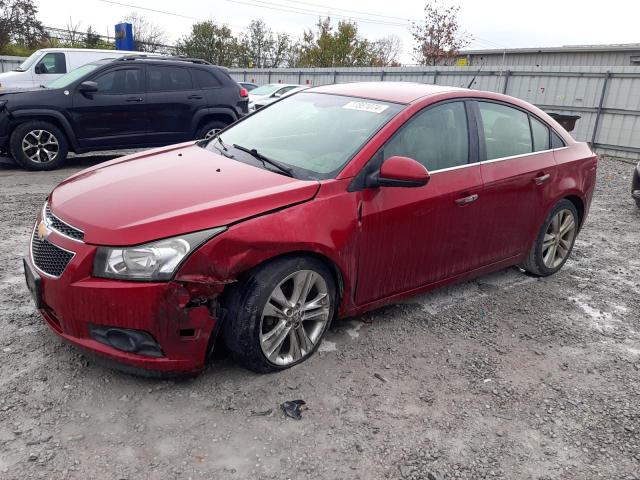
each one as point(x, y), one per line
point(154, 261)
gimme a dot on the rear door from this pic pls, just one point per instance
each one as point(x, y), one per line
point(115, 115)
point(412, 237)
point(173, 100)
point(518, 167)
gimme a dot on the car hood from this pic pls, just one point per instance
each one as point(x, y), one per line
point(170, 191)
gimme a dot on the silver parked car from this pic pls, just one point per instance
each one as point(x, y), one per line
point(271, 92)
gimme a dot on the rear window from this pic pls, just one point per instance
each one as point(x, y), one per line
point(506, 130)
point(540, 135)
point(167, 79)
point(205, 79)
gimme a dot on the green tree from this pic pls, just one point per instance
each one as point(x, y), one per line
point(340, 48)
point(19, 26)
point(211, 42)
point(438, 39)
point(261, 48)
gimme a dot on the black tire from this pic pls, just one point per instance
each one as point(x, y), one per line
point(534, 263)
point(635, 185)
point(245, 302)
point(212, 125)
point(20, 133)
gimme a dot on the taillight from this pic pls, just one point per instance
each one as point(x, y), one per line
point(244, 92)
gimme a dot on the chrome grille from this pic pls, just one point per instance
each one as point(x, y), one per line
point(61, 227)
point(49, 258)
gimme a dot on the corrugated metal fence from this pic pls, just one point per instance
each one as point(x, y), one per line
point(8, 63)
point(607, 98)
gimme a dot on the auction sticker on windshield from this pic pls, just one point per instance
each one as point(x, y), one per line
point(366, 106)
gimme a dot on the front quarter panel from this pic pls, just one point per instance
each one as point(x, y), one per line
point(325, 226)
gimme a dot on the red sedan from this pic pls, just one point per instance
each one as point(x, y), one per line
point(329, 203)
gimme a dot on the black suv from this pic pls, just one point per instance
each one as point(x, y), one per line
point(131, 102)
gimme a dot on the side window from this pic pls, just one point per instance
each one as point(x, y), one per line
point(168, 79)
point(282, 91)
point(437, 137)
point(53, 63)
point(205, 79)
point(556, 140)
point(540, 135)
point(120, 81)
point(506, 130)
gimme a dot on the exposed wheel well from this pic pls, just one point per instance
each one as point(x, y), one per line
point(577, 202)
point(333, 268)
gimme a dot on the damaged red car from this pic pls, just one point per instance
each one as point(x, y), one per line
point(326, 204)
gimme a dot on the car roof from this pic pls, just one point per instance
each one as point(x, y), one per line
point(398, 92)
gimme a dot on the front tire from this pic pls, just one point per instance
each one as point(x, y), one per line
point(38, 145)
point(555, 240)
point(277, 316)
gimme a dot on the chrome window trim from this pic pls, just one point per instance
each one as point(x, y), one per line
point(493, 160)
point(73, 254)
point(46, 222)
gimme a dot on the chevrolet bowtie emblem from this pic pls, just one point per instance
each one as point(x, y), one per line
point(43, 231)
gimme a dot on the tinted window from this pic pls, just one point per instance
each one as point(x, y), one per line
point(506, 130)
point(556, 141)
point(120, 81)
point(53, 63)
point(540, 135)
point(436, 137)
point(166, 79)
point(205, 79)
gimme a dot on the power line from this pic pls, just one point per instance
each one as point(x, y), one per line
point(315, 13)
point(360, 12)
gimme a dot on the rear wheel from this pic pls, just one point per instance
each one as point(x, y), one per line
point(277, 316)
point(38, 145)
point(210, 129)
point(555, 240)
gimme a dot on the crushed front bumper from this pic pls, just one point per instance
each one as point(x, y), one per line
point(177, 316)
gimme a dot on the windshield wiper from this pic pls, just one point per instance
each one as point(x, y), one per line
point(254, 153)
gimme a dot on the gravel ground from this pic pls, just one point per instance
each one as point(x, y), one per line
point(504, 377)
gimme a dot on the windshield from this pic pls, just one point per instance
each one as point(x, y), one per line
point(68, 78)
point(24, 66)
point(265, 89)
point(313, 133)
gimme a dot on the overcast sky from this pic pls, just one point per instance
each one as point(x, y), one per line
point(492, 23)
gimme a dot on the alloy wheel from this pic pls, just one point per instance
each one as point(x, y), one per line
point(211, 133)
point(294, 317)
point(40, 146)
point(558, 238)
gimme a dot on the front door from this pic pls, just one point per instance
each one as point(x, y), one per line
point(115, 115)
point(411, 237)
point(517, 168)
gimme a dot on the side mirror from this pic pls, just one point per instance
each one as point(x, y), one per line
point(401, 172)
point(276, 95)
point(88, 87)
point(38, 69)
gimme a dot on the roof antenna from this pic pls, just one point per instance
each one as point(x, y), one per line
point(474, 77)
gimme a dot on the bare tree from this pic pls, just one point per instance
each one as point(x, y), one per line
point(147, 36)
point(438, 39)
point(387, 51)
point(73, 36)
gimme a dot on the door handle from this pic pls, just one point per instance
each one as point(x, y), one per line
point(467, 200)
point(134, 99)
point(542, 178)
point(195, 97)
